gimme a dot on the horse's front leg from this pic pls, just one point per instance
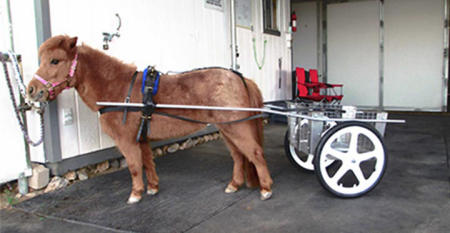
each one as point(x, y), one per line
point(150, 171)
point(133, 155)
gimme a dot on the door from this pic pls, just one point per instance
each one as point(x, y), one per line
point(353, 50)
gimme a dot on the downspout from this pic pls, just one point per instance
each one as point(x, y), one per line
point(234, 65)
point(52, 143)
point(381, 54)
point(445, 65)
point(11, 36)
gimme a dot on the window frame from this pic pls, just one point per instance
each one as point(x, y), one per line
point(274, 29)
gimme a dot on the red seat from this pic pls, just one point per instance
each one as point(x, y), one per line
point(312, 90)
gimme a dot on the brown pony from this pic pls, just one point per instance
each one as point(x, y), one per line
point(99, 77)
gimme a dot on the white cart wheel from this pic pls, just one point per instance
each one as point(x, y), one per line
point(359, 154)
point(296, 157)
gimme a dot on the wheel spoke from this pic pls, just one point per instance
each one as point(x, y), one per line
point(359, 175)
point(353, 147)
point(335, 154)
point(367, 156)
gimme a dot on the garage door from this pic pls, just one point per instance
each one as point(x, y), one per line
point(413, 54)
point(353, 50)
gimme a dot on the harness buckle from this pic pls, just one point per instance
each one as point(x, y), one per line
point(149, 117)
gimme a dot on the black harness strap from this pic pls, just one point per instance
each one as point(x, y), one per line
point(149, 79)
point(127, 99)
point(119, 109)
point(206, 122)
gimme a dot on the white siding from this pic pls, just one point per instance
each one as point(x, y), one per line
point(277, 47)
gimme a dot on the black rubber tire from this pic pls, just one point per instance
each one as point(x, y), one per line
point(320, 146)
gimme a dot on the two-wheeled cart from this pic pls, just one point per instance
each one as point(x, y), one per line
point(345, 147)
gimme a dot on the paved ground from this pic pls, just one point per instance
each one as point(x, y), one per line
point(414, 195)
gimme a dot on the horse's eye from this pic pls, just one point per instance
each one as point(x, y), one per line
point(54, 61)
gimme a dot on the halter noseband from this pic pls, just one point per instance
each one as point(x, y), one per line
point(51, 86)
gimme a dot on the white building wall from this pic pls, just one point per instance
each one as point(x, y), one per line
point(13, 158)
point(277, 47)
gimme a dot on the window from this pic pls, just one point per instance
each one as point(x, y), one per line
point(270, 17)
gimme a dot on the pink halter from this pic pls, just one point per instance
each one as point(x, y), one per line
point(51, 86)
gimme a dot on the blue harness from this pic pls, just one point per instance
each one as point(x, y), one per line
point(144, 81)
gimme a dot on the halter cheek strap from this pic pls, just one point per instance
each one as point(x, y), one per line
point(51, 86)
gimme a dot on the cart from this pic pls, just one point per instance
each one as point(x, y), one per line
point(343, 145)
point(347, 154)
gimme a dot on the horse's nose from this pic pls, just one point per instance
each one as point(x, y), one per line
point(34, 92)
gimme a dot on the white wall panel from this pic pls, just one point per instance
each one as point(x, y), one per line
point(13, 159)
point(88, 134)
point(70, 145)
point(305, 39)
point(414, 54)
point(353, 50)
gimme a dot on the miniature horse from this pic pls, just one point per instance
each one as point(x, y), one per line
point(99, 77)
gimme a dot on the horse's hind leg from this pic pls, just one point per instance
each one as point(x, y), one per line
point(238, 167)
point(133, 155)
point(244, 137)
point(241, 166)
point(150, 171)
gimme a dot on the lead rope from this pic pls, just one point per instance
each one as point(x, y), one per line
point(18, 109)
point(19, 80)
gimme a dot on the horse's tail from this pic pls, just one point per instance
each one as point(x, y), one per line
point(256, 101)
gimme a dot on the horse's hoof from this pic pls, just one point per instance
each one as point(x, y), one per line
point(152, 191)
point(231, 189)
point(133, 199)
point(265, 195)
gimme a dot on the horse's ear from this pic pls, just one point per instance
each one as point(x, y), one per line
point(71, 43)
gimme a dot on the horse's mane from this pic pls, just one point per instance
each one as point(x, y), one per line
point(108, 61)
